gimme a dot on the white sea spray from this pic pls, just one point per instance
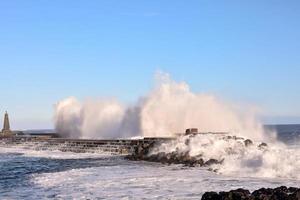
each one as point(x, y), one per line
point(169, 108)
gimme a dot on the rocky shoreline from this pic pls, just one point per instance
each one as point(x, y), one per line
point(280, 193)
point(151, 152)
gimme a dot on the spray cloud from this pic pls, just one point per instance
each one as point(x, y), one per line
point(169, 108)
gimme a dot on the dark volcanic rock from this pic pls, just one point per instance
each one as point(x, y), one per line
point(262, 192)
point(233, 194)
point(212, 162)
point(295, 195)
point(262, 145)
point(280, 193)
point(151, 152)
point(142, 152)
point(248, 142)
point(211, 195)
point(292, 189)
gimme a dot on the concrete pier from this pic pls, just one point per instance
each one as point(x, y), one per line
point(117, 146)
point(135, 147)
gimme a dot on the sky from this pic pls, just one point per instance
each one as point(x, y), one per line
point(243, 51)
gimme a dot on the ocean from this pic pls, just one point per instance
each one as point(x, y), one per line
point(31, 174)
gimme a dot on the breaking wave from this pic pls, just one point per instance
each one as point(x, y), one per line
point(234, 156)
point(169, 108)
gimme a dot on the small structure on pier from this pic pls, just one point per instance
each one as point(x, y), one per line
point(191, 131)
point(6, 132)
point(194, 131)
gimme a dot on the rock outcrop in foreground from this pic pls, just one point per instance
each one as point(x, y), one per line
point(280, 193)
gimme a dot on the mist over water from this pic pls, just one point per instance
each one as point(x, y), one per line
point(169, 108)
point(90, 119)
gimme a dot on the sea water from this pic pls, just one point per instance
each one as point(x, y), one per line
point(30, 174)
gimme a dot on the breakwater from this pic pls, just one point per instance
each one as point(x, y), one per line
point(116, 146)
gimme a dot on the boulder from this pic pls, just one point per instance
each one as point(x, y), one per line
point(211, 195)
point(231, 195)
point(248, 142)
point(213, 162)
point(280, 193)
point(262, 145)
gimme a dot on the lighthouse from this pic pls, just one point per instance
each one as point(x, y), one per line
point(6, 127)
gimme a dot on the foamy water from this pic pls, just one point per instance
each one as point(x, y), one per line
point(273, 160)
point(29, 174)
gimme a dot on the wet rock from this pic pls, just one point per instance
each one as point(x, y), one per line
point(200, 162)
point(152, 158)
point(187, 141)
point(161, 157)
point(211, 195)
point(280, 193)
point(243, 192)
point(292, 189)
point(229, 137)
point(238, 138)
point(238, 194)
point(295, 195)
point(213, 162)
point(144, 151)
point(186, 157)
point(262, 146)
point(248, 142)
point(282, 188)
point(231, 195)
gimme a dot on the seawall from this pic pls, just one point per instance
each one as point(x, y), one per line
point(117, 146)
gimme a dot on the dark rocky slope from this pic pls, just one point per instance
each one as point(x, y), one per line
point(280, 193)
point(145, 152)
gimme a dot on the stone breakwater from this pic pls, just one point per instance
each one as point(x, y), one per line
point(280, 193)
point(116, 146)
point(182, 154)
point(146, 149)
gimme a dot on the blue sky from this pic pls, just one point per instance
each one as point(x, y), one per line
point(244, 51)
